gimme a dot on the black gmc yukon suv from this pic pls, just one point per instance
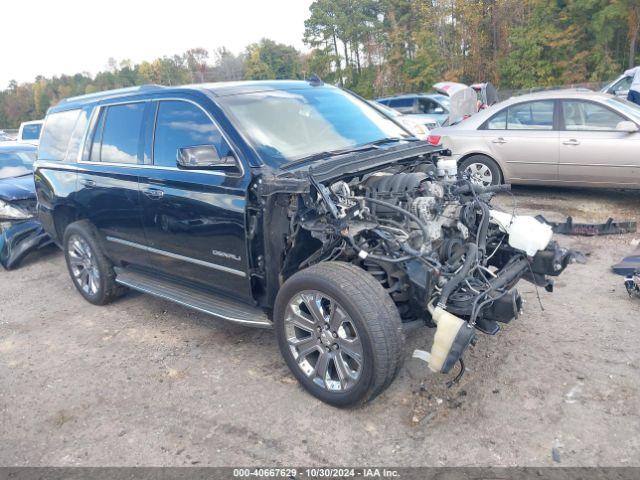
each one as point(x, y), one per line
point(292, 205)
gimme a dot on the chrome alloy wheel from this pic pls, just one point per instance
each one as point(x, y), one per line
point(83, 265)
point(479, 174)
point(323, 340)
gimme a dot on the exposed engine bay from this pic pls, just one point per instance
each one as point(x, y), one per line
point(432, 240)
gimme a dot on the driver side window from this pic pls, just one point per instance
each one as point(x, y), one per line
point(580, 115)
point(182, 124)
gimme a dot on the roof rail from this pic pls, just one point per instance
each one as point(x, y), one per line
point(111, 93)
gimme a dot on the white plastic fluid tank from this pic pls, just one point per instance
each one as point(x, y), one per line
point(525, 232)
point(446, 167)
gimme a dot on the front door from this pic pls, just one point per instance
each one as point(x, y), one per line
point(592, 151)
point(194, 219)
point(525, 139)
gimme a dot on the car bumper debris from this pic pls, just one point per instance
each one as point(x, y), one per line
point(18, 239)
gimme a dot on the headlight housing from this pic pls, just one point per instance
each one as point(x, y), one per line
point(10, 212)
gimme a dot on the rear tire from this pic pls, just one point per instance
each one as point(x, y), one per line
point(348, 349)
point(482, 170)
point(90, 270)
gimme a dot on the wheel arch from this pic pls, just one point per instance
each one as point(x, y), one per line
point(484, 154)
point(63, 216)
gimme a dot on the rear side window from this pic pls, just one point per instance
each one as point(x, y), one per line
point(31, 132)
point(77, 136)
point(531, 116)
point(56, 134)
point(498, 121)
point(182, 124)
point(117, 138)
point(536, 115)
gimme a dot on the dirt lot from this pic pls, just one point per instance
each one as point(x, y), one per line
point(146, 382)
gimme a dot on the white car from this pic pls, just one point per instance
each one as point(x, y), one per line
point(29, 132)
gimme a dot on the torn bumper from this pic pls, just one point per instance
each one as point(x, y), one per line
point(18, 239)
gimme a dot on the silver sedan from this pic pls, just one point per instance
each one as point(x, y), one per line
point(566, 137)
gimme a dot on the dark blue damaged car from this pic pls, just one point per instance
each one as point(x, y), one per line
point(20, 232)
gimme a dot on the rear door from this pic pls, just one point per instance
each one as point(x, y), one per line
point(195, 219)
point(592, 151)
point(108, 179)
point(524, 138)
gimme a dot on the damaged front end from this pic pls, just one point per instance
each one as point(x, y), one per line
point(428, 236)
point(20, 232)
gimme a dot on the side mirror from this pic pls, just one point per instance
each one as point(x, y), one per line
point(438, 110)
point(627, 127)
point(204, 157)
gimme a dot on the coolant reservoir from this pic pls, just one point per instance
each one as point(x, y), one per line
point(525, 232)
point(452, 338)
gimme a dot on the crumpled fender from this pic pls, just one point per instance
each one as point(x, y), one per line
point(17, 241)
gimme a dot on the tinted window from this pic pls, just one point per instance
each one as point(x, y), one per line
point(182, 124)
point(56, 134)
point(429, 106)
point(118, 134)
point(401, 103)
point(16, 164)
point(531, 116)
point(31, 132)
point(588, 116)
point(498, 121)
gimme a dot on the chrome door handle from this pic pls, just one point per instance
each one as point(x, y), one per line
point(572, 141)
point(499, 140)
point(87, 182)
point(153, 193)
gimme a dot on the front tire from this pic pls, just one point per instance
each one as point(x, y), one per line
point(339, 332)
point(481, 170)
point(90, 270)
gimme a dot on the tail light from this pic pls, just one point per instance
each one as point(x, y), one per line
point(434, 140)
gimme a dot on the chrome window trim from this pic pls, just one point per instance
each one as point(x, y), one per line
point(195, 261)
point(95, 116)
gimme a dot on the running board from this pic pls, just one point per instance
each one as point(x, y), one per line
point(196, 299)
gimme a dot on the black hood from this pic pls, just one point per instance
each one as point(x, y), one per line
point(17, 188)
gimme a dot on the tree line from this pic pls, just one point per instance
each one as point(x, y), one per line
point(378, 47)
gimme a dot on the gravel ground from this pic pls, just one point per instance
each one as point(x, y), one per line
point(146, 382)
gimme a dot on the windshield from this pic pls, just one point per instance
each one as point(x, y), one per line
point(16, 164)
point(289, 125)
point(625, 106)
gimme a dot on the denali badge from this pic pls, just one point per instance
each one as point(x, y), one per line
point(231, 256)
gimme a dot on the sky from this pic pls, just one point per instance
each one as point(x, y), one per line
point(52, 37)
